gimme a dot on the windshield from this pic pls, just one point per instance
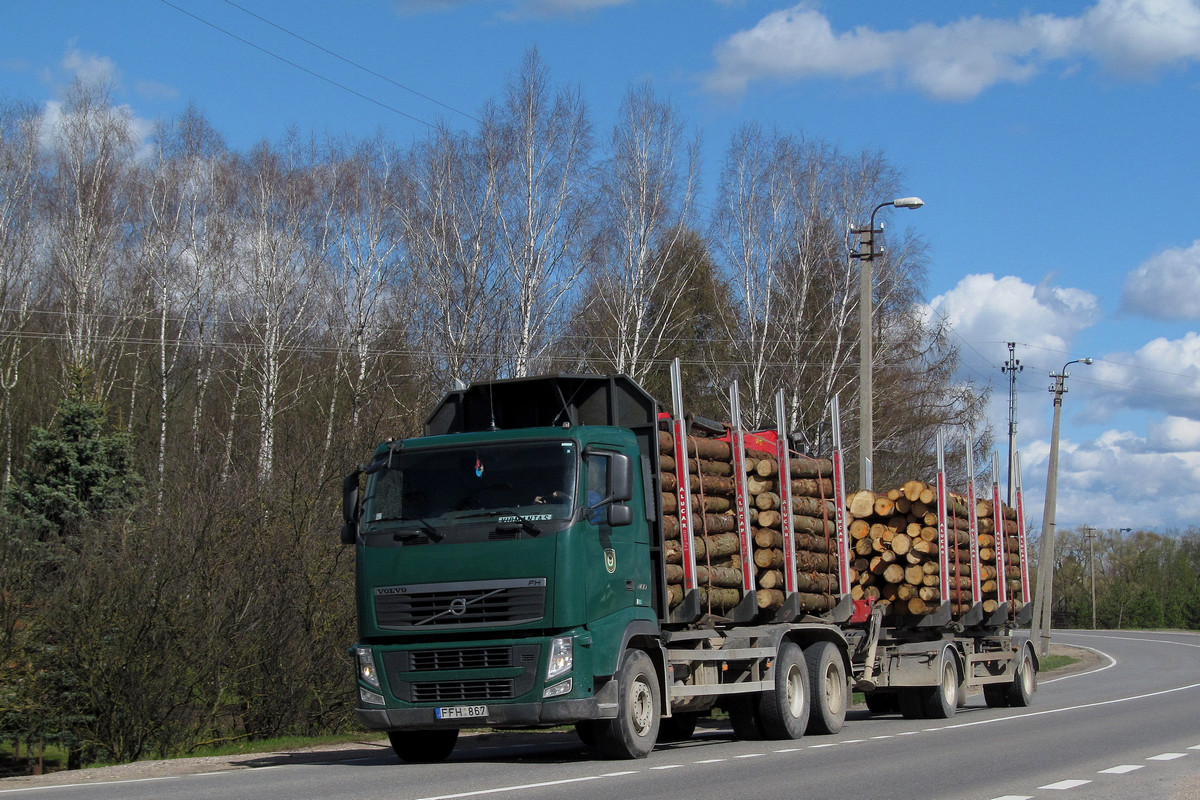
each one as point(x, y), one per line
point(519, 480)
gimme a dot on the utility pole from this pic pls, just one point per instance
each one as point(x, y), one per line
point(1043, 600)
point(1090, 533)
point(1012, 367)
point(866, 253)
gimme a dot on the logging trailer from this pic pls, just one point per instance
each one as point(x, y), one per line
point(562, 550)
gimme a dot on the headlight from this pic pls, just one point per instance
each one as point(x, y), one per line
point(369, 697)
point(366, 666)
point(558, 689)
point(562, 657)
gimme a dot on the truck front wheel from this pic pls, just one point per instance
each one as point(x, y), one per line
point(783, 712)
point(633, 733)
point(423, 747)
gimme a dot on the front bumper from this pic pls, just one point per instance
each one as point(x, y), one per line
point(550, 712)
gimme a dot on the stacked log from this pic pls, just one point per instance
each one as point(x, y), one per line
point(813, 515)
point(999, 554)
point(893, 538)
point(714, 522)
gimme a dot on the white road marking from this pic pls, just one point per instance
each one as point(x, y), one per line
point(1120, 770)
point(1064, 785)
point(1166, 756)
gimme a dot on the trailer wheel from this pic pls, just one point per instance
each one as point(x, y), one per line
point(1020, 692)
point(678, 727)
point(941, 701)
point(995, 695)
point(784, 710)
point(423, 747)
point(633, 732)
point(882, 703)
point(911, 702)
point(828, 688)
point(743, 717)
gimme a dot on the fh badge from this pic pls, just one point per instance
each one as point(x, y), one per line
point(610, 560)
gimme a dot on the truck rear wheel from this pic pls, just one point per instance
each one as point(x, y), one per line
point(995, 695)
point(783, 711)
point(911, 702)
point(827, 676)
point(743, 717)
point(1020, 693)
point(633, 732)
point(678, 727)
point(941, 701)
point(423, 747)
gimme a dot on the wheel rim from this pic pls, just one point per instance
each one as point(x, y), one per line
point(641, 707)
point(795, 691)
point(950, 684)
point(1027, 675)
point(835, 693)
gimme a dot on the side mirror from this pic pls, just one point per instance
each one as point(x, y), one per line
point(619, 514)
point(620, 478)
point(350, 507)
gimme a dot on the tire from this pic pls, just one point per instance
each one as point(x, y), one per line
point(784, 711)
point(882, 703)
point(995, 695)
point(588, 731)
point(677, 727)
point(827, 688)
point(634, 731)
point(911, 702)
point(1020, 692)
point(941, 701)
point(423, 747)
point(743, 717)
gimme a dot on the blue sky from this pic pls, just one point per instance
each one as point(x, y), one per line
point(1055, 146)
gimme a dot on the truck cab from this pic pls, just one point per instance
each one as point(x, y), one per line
point(503, 560)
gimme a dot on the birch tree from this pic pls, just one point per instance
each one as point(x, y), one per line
point(647, 188)
point(359, 183)
point(447, 211)
point(20, 174)
point(276, 276)
point(538, 144)
point(91, 197)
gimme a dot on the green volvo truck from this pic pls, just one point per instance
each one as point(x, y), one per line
point(513, 570)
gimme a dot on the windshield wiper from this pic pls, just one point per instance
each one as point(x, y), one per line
point(513, 518)
point(425, 526)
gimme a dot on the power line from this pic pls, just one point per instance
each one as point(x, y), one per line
point(300, 67)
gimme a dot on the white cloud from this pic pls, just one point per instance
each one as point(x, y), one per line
point(961, 59)
point(1166, 286)
point(1118, 480)
point(90, 68)
point(1163, 375)
point(986, 311)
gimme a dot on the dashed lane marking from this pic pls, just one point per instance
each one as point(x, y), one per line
point(1064, 785)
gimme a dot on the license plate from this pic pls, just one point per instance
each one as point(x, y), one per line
point(461, 712)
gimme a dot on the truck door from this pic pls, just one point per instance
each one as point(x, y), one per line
point(618, 569)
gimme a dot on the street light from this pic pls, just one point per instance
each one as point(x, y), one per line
point(1043, 599)
point(866, 410)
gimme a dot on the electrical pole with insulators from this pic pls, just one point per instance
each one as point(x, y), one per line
point(1011, 368)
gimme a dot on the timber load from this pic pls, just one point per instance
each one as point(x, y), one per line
point(895, 560)
point(713, 511)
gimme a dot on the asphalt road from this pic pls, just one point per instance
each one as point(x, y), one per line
point(1127, 728)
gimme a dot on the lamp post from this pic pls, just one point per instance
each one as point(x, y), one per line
point(866, 410)
point(1044, 600)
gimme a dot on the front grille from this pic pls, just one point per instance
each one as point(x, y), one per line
point(473, 658)
point(451, 691)
point(461, 605)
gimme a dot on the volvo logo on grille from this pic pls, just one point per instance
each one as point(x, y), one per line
point(458, 606)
